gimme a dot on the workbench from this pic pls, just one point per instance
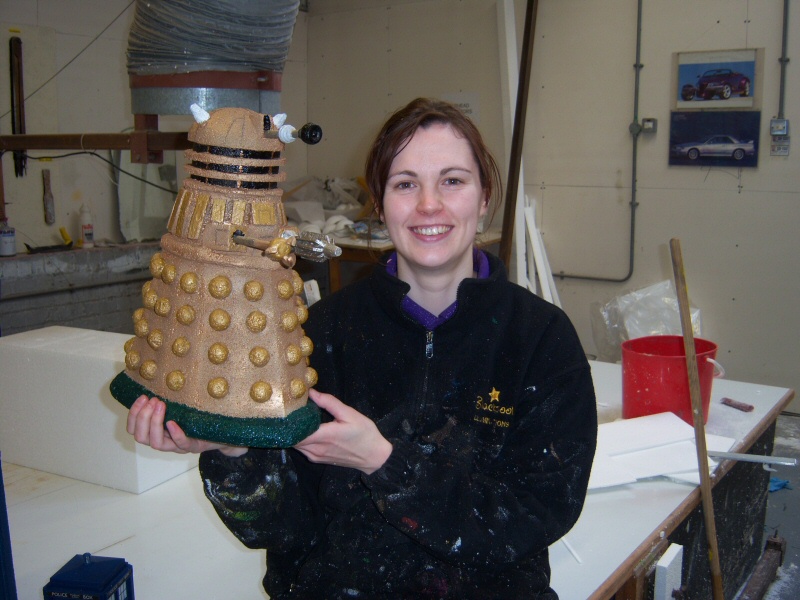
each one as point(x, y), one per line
point(179, 548)
point(622, 529)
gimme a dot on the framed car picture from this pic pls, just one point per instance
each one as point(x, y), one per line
point(714, 138)
point(721, 79)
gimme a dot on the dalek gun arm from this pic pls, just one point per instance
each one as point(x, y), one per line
point(309, 245)
point(316, 247)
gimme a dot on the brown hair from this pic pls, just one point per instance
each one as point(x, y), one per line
point(400, 127)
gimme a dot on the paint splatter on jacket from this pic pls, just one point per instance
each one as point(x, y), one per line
point(493, 424)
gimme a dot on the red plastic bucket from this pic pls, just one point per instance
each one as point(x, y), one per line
point(655, 378)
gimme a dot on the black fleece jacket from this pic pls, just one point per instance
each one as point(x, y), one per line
point(493, 424)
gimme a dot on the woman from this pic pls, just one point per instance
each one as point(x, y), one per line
point(462, 414)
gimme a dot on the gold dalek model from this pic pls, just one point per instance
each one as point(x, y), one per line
point(220, 337)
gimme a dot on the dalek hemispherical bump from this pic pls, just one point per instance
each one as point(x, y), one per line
point(256, 321)
point(311, 377)
point(260, 391)
point(218, 387)
point(259, 356)
point(189, 282)
point(162, 306)
point(293, 354)
point(148, 369)
point(186, 315)
point(141, 328)
point(219, 287)
point(155, 339)
point(175, 380)
point(168, 274)
point(289, 321)
point(219, 319)
point(218, 353)
point(285, 289)
point(181, 347)
point(302, 313)
point(149, 298)
point(253, 291)
point(156, 265)
point(132, 359)
point(297, 388)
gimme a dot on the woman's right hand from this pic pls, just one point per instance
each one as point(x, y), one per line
point(146, 425)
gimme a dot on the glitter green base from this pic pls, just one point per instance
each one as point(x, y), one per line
point(236, 431)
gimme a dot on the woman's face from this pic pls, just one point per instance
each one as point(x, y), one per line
point(432, 203)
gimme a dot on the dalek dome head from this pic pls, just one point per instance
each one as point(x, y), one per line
point(237, 129)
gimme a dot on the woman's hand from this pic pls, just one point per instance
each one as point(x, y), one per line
point(350, 440)
point(146, 425)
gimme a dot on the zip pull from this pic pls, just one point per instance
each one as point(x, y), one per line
point(429, 345)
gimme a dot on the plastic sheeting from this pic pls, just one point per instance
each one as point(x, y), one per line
point(181, 36)
point(649, 311)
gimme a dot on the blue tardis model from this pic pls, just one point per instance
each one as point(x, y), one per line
point(92, 578)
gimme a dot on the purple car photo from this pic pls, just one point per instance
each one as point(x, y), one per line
point(720, 83)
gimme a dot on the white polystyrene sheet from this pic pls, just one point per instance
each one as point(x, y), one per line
point(651, 446)
point(662, 460)
point(641, 433)
point(606, 473)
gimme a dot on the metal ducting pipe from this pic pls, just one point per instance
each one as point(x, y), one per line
point(221, 53)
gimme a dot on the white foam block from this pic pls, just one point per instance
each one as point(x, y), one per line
point(668, 573)
point(57, 414)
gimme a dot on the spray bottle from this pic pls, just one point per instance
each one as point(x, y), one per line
point(8, 239)
point(87, 228)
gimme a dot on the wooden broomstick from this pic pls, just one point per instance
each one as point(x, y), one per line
point(697, 413)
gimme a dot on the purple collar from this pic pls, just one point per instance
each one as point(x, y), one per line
point(422, 316)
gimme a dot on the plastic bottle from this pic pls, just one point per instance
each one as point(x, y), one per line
point(8, 239)
point(87, 229)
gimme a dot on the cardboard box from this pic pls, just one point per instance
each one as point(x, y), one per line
point(57, 415)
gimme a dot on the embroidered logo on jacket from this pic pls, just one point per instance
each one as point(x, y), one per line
point(491, 411)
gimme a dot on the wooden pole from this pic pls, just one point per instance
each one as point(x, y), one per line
point(697, 413)
point(512, 183)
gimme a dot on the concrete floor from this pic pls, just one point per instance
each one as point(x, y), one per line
point(783, 510)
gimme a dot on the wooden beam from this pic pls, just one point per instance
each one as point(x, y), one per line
point(512, 183)
point(156, 141)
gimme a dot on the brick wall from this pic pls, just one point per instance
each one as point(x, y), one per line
point(97, 288)
point(104, 308)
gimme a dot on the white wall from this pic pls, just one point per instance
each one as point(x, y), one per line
point(354, 61)
point(90, 94)
point(369, 58)
point(737, 227)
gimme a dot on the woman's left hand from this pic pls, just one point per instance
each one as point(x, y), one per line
point(350, 440)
